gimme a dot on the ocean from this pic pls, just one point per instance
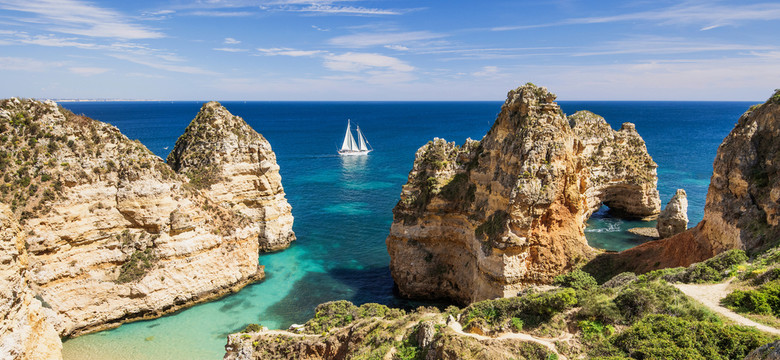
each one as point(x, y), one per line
point(343, 205)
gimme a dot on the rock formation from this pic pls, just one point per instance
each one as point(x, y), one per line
point(741, 210)
point(113, 234)
point(674, 218)
point(490, 217)
point(25, 333)
point(235, 166)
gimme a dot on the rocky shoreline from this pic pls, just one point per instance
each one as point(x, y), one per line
point(113, 234)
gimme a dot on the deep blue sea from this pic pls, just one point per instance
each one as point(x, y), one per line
point(342, 206)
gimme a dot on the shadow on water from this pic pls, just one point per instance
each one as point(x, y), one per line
point(359, 286)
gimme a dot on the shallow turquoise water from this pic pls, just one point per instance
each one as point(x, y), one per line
point(342, 206)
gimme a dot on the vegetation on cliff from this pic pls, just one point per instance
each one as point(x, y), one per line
point(628, 317)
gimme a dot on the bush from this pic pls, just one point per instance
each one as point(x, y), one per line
point(577, 279)
point(668, 337)
point(620, 280)
point(251, 328)
point(136, 267)
point(750, 301)
point(533, 309)
point(764, 300)
point(642, 298)
point(341, 313)
point(599, 307)
point(711, 270)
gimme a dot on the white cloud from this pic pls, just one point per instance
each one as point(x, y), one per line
point(661, 45)
point(88, 71)
point(397, 47)
point(231, 41)
point(289, 52)
point(374, 39)
point(219, 13)
point(487, 71)
point(153, 62)
point(27, 64)
point(355, 62)
point(346, 10)
point(225, 49)
point(315, 27)
point(80, 18)
point(709, 14)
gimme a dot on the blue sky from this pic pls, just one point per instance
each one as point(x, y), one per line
point(389, 50)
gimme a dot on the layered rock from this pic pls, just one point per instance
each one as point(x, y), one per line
point(742, 210)
point(25, 333)
point(113, 234)
point(674, 218)
point(743, 199)
point(488, 218)
point(235, 166)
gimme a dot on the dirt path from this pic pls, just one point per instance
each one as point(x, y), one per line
point(548, 343)
point(710, 295)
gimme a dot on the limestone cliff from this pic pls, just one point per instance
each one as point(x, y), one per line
point(25, 333)
point(235, 166)
point(741, 210)
point(674, 218)
point(113, 234)
point(488, 218)
point(743, 200)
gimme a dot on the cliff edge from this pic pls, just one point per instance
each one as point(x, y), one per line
point(741, 210)
point(490, 217)
point(235, 166)
point(112, 233)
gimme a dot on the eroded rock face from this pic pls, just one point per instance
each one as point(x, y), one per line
point(235, 166)
point(674, 218)
point(743, 200)
point(25, 333)
point(113, 234)
point(741, 211)
point(488, 218)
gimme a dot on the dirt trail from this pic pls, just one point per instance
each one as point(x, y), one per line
point(711, 294)
point(548, 343)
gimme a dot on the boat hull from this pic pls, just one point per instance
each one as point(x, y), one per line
point(353, 152)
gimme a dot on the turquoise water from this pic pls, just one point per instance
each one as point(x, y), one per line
point(342, 206)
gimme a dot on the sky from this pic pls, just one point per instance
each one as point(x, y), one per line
point(344, 50)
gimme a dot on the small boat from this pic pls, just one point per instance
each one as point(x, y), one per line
point(352, 147)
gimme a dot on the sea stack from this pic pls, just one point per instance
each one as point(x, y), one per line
point(112, 233)
point(674, 218)
point(234, 165)
point(743, 200)
point(491, 217)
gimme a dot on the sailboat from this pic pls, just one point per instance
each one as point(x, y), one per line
point(352, 147)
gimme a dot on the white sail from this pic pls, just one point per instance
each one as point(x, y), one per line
point(349, 141)
point(361, 140)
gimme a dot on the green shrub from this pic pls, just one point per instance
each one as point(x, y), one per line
point(252, 328)
point(517, 323)
point(620, 280)
point(577, 279)
point(749, 301)
point(137, 266)
point(642, 298)
point(599, 307)
point(533, 309)
point(668, 337)
point(764, 300)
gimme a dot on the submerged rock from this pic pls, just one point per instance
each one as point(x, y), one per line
point(674, 218)
point(490, 217)
point(235, 166)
